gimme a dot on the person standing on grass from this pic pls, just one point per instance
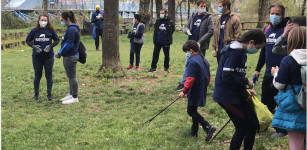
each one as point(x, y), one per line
point(163, 38)
point(289, 115)
point(200, 29)
point(97, 19)
point(272, 32)
point(136, 41)
point(227, 28)
point(230, 81)
point(70, 52)
point(42, 55)
point(195, 86)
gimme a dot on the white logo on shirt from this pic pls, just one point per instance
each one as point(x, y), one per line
point(223, 25)
point(63, 36)
point(42, 38)
point(197, 22)
point(271, 39)
point(134, 30)
point(161, 27)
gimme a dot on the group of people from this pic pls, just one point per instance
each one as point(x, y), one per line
point(279, 39)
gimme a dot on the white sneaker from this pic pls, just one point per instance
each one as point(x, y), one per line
point(66, 97)
point(71, 100)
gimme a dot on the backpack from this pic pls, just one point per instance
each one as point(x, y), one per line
point(301, 96)
point(82, 53)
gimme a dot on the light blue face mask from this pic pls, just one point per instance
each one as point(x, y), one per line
point(188, 55)
point(202, 11)
point(251, 51)
point(220, 9)
point(63, 23)
point(161, 16)
point(133, 21)
point(274, 19)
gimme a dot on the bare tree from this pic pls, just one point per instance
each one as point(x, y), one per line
point(110, 51)
point(189, 9)
point(144, 11)
point(158, 7)
point(171, 10)
point(151, 12)
point(303, 8)
point(45, 5)
point(262, 12)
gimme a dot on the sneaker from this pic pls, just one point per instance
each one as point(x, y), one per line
point(278, 135)
point(191, 133)
point(70, 101)
point(49, 97)
point(166, 70)
point(179, 87)
point(129, 67)
point(35, 97)
point(97, 49)
point(67, 97)
point(137, 68)
point(151, 70)
point(210, 132)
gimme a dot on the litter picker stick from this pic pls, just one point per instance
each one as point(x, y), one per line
point(161, 111)
point(220, 131)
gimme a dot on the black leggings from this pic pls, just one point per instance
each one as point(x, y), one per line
point(197, 118)
point(245, 126)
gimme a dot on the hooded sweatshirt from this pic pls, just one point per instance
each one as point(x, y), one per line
point(290, 69)
point(70, 41)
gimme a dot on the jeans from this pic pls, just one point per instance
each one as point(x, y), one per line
point(135, 48)
point(98, 32)
point(156, 53)
point(38, 66)
point(70, 64)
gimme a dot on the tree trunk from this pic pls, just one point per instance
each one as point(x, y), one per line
point(303, 8)
point(188, 9)
point(181, 25)
point(144, 11)
point(171, 10)
point(208, 5)
point(151, 12)
point(262, 12)
point(110, 51)
point(45, 5)
point(158, 7)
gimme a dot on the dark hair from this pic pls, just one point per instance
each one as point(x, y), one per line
point(280, 6)
point(226, 2)
point(254, 34)
point(191, 44)
point(301, 21)
point(165, 10)
point(200, 2)
point(47, 26)
point(71, 16)
point(137, 17)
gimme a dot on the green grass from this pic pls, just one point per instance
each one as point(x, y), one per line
point(111, 111)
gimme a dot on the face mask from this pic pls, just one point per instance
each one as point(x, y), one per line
point(161, 16)
point(188, 55)
point(251, 51)
point(133, 21)
point(97, 11)
point(43, 24)
point(63, 23)
point(202, 11)
point(274, 19)
point(220, 9)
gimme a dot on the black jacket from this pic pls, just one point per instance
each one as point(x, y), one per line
point(170, 28)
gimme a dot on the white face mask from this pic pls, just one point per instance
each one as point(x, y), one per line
point(43, 24)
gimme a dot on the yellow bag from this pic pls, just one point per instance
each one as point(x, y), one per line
point(264, 116)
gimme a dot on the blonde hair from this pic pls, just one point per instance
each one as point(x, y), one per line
point(297, 39)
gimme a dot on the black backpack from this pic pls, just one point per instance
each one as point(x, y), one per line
point(82, 53)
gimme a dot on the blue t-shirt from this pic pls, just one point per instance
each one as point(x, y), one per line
point(141, 30)
point(42, 37)
point(222, 28)
point(289, 72)
point(70, 41)
point(162, 33)
point(195, 30)
point(97, 22)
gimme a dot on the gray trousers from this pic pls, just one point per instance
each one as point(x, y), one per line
point(70, 64)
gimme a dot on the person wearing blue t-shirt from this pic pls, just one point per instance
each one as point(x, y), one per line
point(97, 19)
point(272, 32)
point(136, 41)
point(42, 55)
point(70, 52)
point(195, 87)
point(230, 80)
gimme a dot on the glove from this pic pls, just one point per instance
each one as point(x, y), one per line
point(188, 32)
point(37, 48)
point(47, 48)
point(57, 55)
point(214, 53)
point(198, 44)
point(129, 35)
point(255, 79)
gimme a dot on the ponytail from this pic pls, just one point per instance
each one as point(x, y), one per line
point(191, 44)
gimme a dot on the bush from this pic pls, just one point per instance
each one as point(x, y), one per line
point(10, 21)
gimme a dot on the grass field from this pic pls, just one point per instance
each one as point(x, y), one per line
point(111, 110)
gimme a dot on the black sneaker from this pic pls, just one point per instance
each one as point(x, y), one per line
point(210, 132)
point(97, 49)
point(35, 97)
point(166, 70)
point(49, 97)
point(191, 133)
point(151, 70)
point(179, 87)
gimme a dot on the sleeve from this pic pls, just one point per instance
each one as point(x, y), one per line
point(278, 47)
point(30, 37)
point(283, 72)
point(66, 47)
point(140, 32)
point(71, 35)
point(214, 42)
point(209, 34)
point(55, 39)
point(189, 82)
point(228, 74)
point(187, 25)
point(261, 60)
point(237, 29)
point(93, 18)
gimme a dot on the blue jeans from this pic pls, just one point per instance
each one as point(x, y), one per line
point(135, 48)
point(38, 66)
point(184, 73)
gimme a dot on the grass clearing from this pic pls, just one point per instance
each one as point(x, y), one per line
point(111, 111)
